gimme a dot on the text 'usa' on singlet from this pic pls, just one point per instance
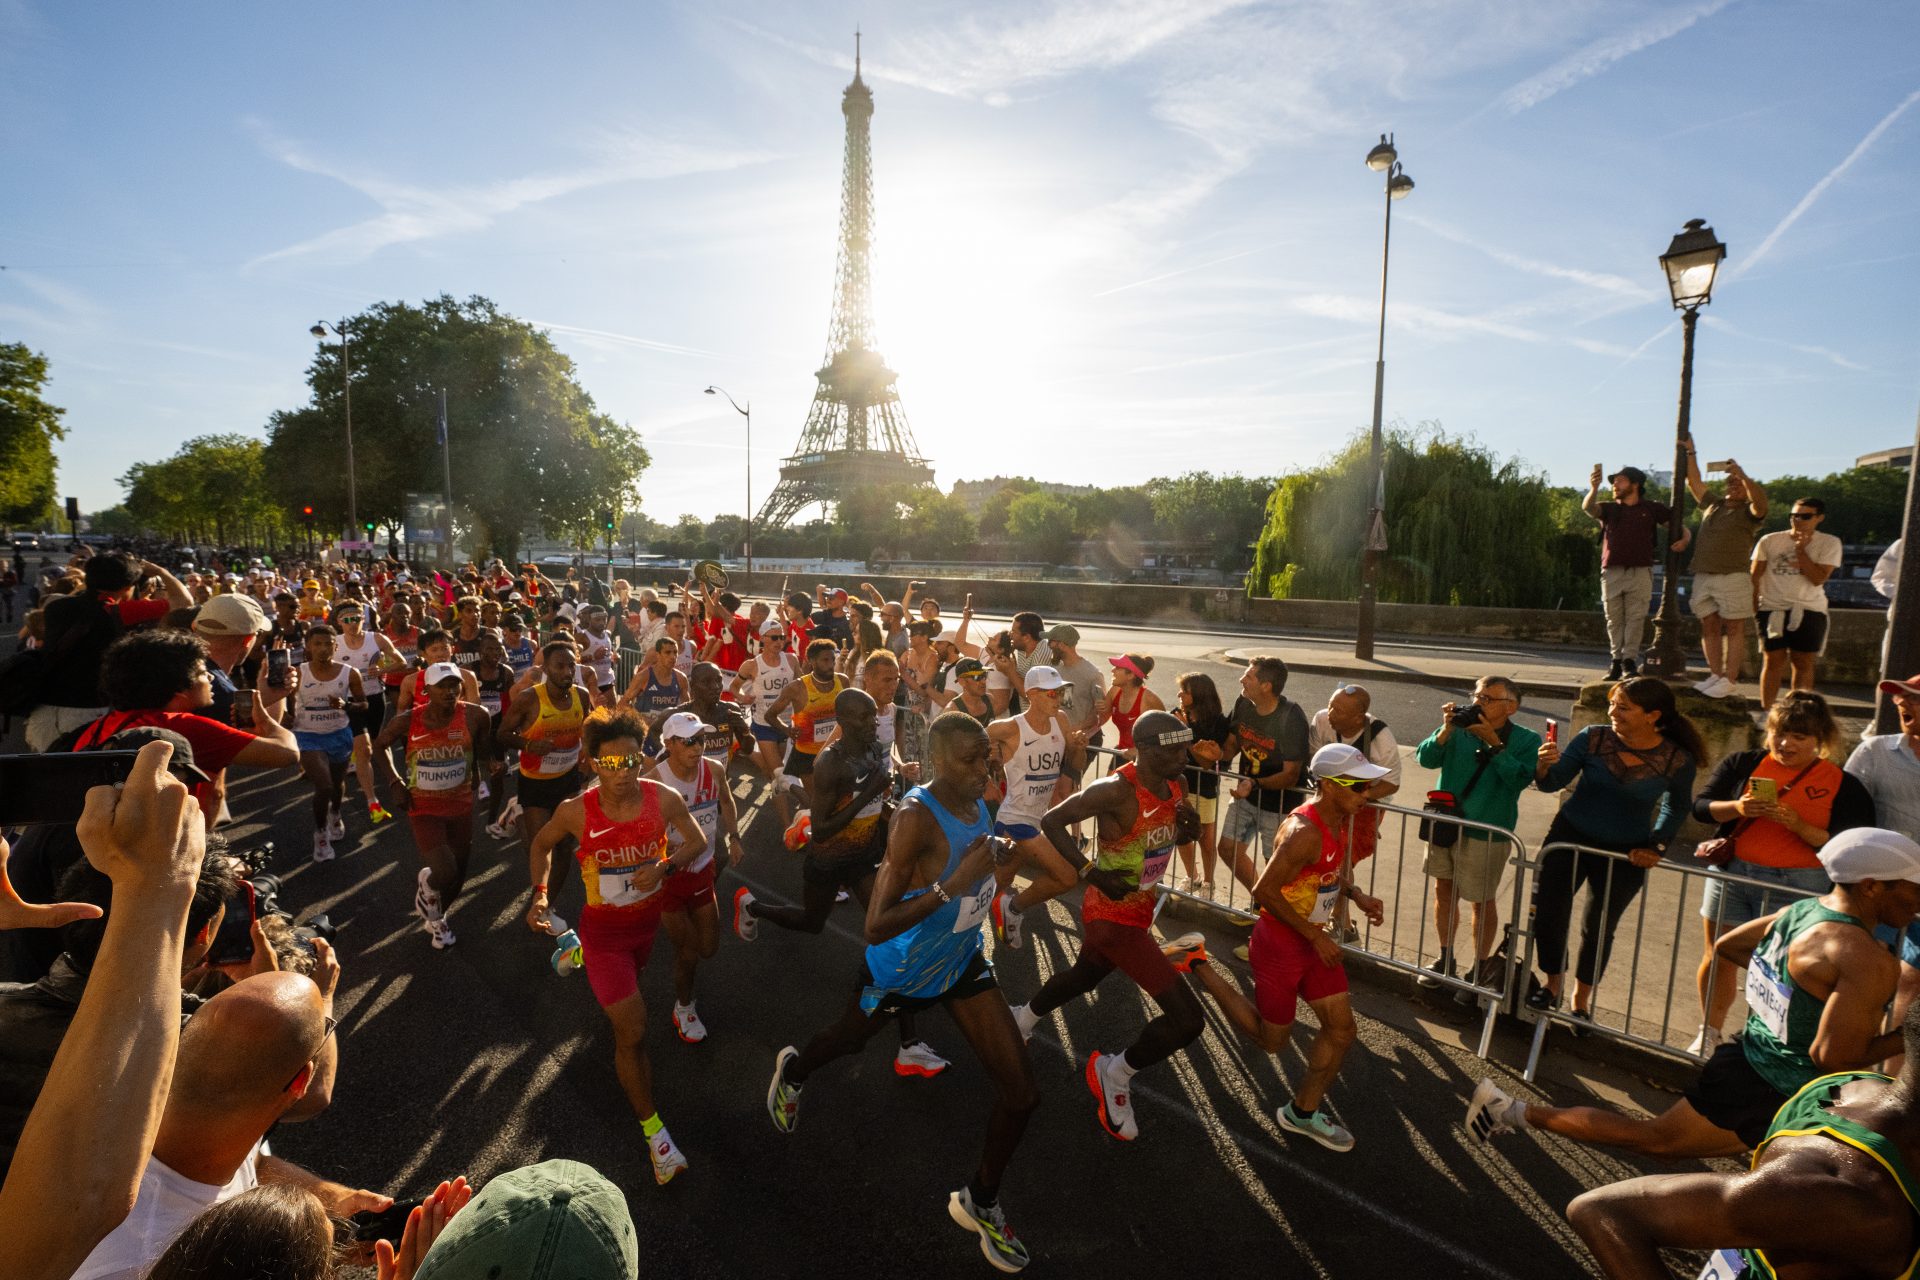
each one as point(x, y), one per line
point(1142, 855)
point(1033, 772)
point(773, 672)
point(610, 853)
point(928, 958)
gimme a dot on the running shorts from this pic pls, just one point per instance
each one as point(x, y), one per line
point(1731, 1094)
point(974, 979)
point(684, 890)
point(800, 763)
point(432, 830)
point(767, 733)
point(614, 946)
point(336, 746)
point(547, 793)
point(370, 720)
point(1132, 951)
point(1015, 830)
point(842, 873)
point(1286, 971)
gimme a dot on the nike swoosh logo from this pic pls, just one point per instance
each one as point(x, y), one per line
point(595, 835)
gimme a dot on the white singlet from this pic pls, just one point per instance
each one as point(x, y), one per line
point(597, 657)
point(702, 794)
point(360, 659)
point(771, 676)
point(1032, 773)
point(312, 712)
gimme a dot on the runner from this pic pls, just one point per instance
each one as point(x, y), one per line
point(854, 783)
point(513, 635)
point(1817, 983)
point(596, 654)
point(467, 630)
point(371, 654)
point(435, 646)
point(929, 901)
point(622, 825)
point(659, 685)
point(1032, 748)
point(761, 681)
point(544, 724)
point(446, 742)
point(811, 700)
point(323, 694)
point(405, 639)
point(1139, 820)
point(495, 679)
point(691, 915)
point(1834, 1190)
point(1294, 956)
point(726, 733)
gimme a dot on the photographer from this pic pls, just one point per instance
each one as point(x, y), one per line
point(1485, 761)
point(79, 629)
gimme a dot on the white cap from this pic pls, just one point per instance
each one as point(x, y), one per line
point(231, 615)
point(353, 577)
point(1045, 678)
point(1870, 853)
point(773, 627)
point(1338, 760)
point(682, 724)
point(441, 671)
point(566, 610)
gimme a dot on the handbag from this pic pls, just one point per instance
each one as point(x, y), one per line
point(1437, 831)
point(1718, 852)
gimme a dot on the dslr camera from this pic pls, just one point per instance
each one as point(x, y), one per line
point(1467, 716)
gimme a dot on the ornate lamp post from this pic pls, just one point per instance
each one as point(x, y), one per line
point(747, 413)
point(320, 330)
point(1382, 159)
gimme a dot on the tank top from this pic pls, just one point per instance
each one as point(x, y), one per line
point(493, 689)
point(1313, 892)
point(360, 657)
point(772, 674)
point(1783, 1018)
point(597, 656)
point(311, 712)
point(656, 696)
point(560, 727)
point(1142, 855)
point(815, 722)
point(440, 765)
point(865, 833)
point(1808, 1113)
point(702, 795)
point(408, 643)
point(611, 852)
point(883, 727)
point(520, 656)
point(467, 652)
point(1032, 772)
point(928, 958)
point(1123, 720)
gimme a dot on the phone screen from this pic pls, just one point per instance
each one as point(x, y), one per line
point(277, 662)
point(234, 943)
point(53, 788)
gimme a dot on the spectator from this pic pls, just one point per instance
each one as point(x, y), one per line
point(1270, 736)
point(1636, 786)
point(1888, 765)
point(829, 621)
point(79, 629)
point(1629, 535)
point(1130, 698)
point(230, 625)
point(1790, 570)
point(278, 1231)
point(1775, 840)
point(1200, 711)
point(1722, 595)
point(1346, 719)
point(549, 1221)
point(1484, 765)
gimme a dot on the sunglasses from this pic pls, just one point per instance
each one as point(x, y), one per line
point(618, 764)
point(1351, 784)
point(1805, 515)
point(325, 1036)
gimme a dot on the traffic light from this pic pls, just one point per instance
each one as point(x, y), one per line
point(307, 512)
point(369, 526)
point(606, 518)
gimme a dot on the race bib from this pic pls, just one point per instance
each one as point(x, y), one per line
point(490, 701)
point(708, 818)
point(1768, 995)
point(616, 889)
point(557, 759)
point(823, 728)
point(1155, 865)
point(318, 717)
point(1323, 903)
point(439, 775)
point(973, 908)
point(1725, 1264)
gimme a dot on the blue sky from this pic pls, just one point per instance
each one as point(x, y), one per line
point(1115, 239)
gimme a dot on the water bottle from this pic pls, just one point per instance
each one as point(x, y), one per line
point(566, 956)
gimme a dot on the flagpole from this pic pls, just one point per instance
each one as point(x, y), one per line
point(446, 478)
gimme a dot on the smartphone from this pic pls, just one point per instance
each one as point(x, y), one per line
point(234, 943)
point(383, 1224)
point(53, 788)
point(1721, 466)
point(277, 664)
point(1765, 790)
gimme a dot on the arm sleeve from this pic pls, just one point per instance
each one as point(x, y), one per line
point(1516, 764)
point(1568, 766)
point(1852, 807)
point(1430, 754)
point(1726, 782)
point(1674, 803)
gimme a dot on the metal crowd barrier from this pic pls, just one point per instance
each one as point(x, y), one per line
point(1643, 924)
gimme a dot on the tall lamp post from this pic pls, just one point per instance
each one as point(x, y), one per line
point(320, 330)
point(746, 412)
point(1382, 159)
point(1691, 262)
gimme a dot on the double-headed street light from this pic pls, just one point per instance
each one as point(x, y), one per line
point(320, 330)
point(745, 411)
point(1691, 262)
point(1382, 159)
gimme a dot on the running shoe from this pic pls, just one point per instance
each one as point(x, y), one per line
point(426, 900)
point(1185, 951)
point(990, 1223)
point(1116, 1105)
point(687, 1024)
point(500, 829)
point(919, 1059)
point(783, 1099)
point(336, 825)
point(743, 922)
point(1007, 924)
point(1493, 1110)
point(1024, 1019)
point(667, 1160)
point(1319, 1126)
point(843, 896)
point(1705, 1043)
point(440, 933)
point(322, 847)
point(1243, 952)
point(378, 813)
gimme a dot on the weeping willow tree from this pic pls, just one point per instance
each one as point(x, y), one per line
point(1464, 527)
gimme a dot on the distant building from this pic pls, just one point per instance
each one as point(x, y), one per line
point(1900, 456)
point(977, 493)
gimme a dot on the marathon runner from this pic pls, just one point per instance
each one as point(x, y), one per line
point(323, 694)
point(596, 653)
point(436, 645)
point(624, 826)
point(854, 785)
point(371, 654)
point(405, 639)
point(513, 635)
point(544, 724)
point(1031, 749)
point(761, 681)
point(447, 742)
point(726, 728)
point(811, 700)
point(658, 685)
point(495, 679)
point(1294, 955)
point(1834, 1190)
point(467, 630)
point(924, 919)
point(691, 915)
point(1817, 983)
point(1139, 820)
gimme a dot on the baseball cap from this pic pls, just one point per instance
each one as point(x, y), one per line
point(353, 577)
point(230, 615)
point(1045, 678)
point(1634, 474)
point(556, 1220)
point(837, 595)
point(1910, 686)
point(440, 672)
point(682, 724)
point(772, 627)
point(311, 584)
point(968, 667)
point(403, 576)
point(1338, 760)
point(1064, 634)
point(180, 766)
point(1870, 853)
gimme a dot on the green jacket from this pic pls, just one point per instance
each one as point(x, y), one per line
point(1496, 797)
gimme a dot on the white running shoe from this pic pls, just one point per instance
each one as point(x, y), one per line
point(1024, 1019)
point(426, 899)
point(336, 825)
point(667, 1160)
point(687, 1024)
point(1116, 1102)
point(1493, 1110)
point(919, 1059)
point(843, 896)
point(743, 922)
point(1705, 1043)
point(440, 933)
point(1705, 687)
point(322, 847)
point(1724, 688)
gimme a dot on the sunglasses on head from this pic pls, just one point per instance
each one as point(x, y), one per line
point(619, 764)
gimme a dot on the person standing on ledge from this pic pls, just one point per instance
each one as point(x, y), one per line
point(1722, 594)
point(1629, 532)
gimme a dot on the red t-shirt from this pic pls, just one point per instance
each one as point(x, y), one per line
point(733, 643)
point(215, 745)
point(132, 613)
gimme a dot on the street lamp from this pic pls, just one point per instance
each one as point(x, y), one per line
point(320, 330)
point(747, 413)
point(1691, 262)
point(1382, 159)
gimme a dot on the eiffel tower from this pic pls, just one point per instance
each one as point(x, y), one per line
point(856, 435)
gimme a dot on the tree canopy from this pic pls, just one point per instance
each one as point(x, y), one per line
point(28, 427)
point(213, 488)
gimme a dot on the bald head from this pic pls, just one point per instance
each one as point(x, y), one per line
point(1347, 709)
point(243, 1046)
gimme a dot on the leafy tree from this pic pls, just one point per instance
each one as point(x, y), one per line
point(1864, 504)
point(992, 520)
point(212, 487)
point(28, 427)
point(1225, 511)
point(937, 526)
point(1042, 526)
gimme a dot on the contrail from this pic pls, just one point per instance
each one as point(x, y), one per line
point(1168, 275)
point(1806, 201)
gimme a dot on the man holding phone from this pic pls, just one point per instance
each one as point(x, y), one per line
point(1722, 595)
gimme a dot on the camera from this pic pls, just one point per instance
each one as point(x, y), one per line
point(258, 896)
point(1466, 717)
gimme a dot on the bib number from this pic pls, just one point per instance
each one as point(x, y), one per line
point(439, 775)
point(1154, 866)
point(973, 909)
point(1725, 1264)
point(321, 718)
point(556, 760)
point(823, 728)
point(616, 889)
point(1323, 904)
point(1769, 996)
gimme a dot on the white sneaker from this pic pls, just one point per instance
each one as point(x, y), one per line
point(1724, 688)
point(322, 847)
point(1705, 1043)
point(1116, 1103)
point(1705, 687)
point(1493, 1110)
point(919, 1059)
point(426, 899)
point(440, 933)
point(667, 1160)
point(1023, 1018)
point(336, 825)
point(687, 1024)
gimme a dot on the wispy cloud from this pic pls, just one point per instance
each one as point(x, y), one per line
point(1446, 324)
point(413, 213)
point(1604, 281)
point(1746, 264)
point(1588, 62)
point(1169, 275)
point(1819, 353)
point(624, 339)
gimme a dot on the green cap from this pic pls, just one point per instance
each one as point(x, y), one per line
point(558, 1220)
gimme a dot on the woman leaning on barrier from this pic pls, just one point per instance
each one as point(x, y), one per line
point(1777, 808)
point(1636, 785)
